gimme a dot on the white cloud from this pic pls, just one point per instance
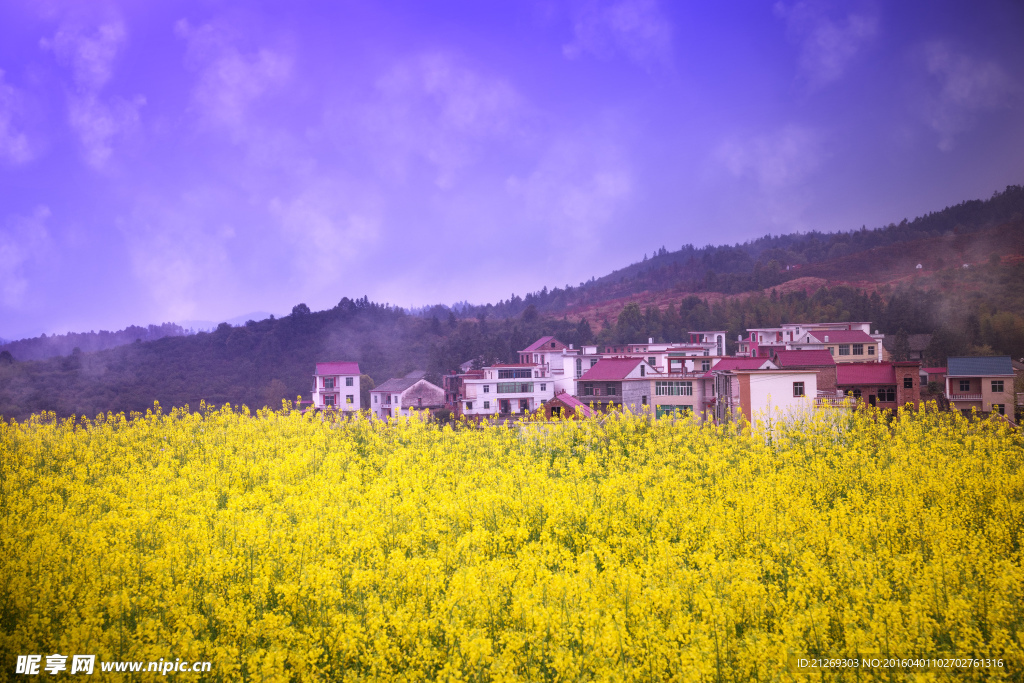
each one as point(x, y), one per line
point(576, 189)
point(98, 122)
point(432, 108)
point(776, 160)
point(229, 80)
point(14, 144)
point(965, 87)
point(326, 226)
point(90, 57)
point(827, 45)
point(180, 253)
point(23, 241)
point(636, 28)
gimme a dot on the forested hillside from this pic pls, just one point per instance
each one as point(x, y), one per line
point(985, 226)
point(43, 346)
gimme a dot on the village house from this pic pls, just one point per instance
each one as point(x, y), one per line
point(984, 384)
point(505, 390)
point(726, 387)
point(617, 381)
point(559, 362)
point(819, 360)
point(842, 342)
point(889, 384)
point(715, 337)
point(773, 395)
point(336, 386)
point(402, 395)
point(564, 404)
point(846, 346)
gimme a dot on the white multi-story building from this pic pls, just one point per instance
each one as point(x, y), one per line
point(506, 390)
point(336, 386)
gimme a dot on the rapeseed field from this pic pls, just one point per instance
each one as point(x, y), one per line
point(290, 547)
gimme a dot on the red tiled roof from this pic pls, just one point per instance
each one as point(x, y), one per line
point(513, 365)
point(815, 358)
point(848, 374)
point(610, 369)
point(574, 403)
point(843, 337)
point(544, 342)
point(935, 371)
point(338, 367)
point(739, 364)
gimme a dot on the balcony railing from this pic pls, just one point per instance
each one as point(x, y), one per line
point(822, 402)
point(965, 397)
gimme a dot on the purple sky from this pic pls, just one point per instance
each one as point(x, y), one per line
point(200, 160)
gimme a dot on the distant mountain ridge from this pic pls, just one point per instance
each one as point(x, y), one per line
point(970, 231)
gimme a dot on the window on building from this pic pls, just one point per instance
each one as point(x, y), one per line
point(348, 381)
point(705, 365)
point(643, 370)
point(469, 405)
point(844, 349)
point(999, 408)
point(487, 405)
point(858, 349)
point(350, 399)
point(328, 382)
point(965, 385)
point(887, 394)
point(329, 400)
point(543, 386)
point(966, 412)
point(396, 398)
point(593, 362)
point(650, 361)
point(673, 388)
point(579, 367)
point(908, 382)
point(588, 389)
point(611, 389)
point(515, 374)
point(997, 386)
point(856, 393)
point(643, 400)
point(871, 350)
point(515, 387)
point(375, 398)
point(798, 388)
point(487, 388)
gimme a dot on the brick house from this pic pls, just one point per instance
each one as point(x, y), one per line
point(564, 404)
point(982, 383)
point(889, 384)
